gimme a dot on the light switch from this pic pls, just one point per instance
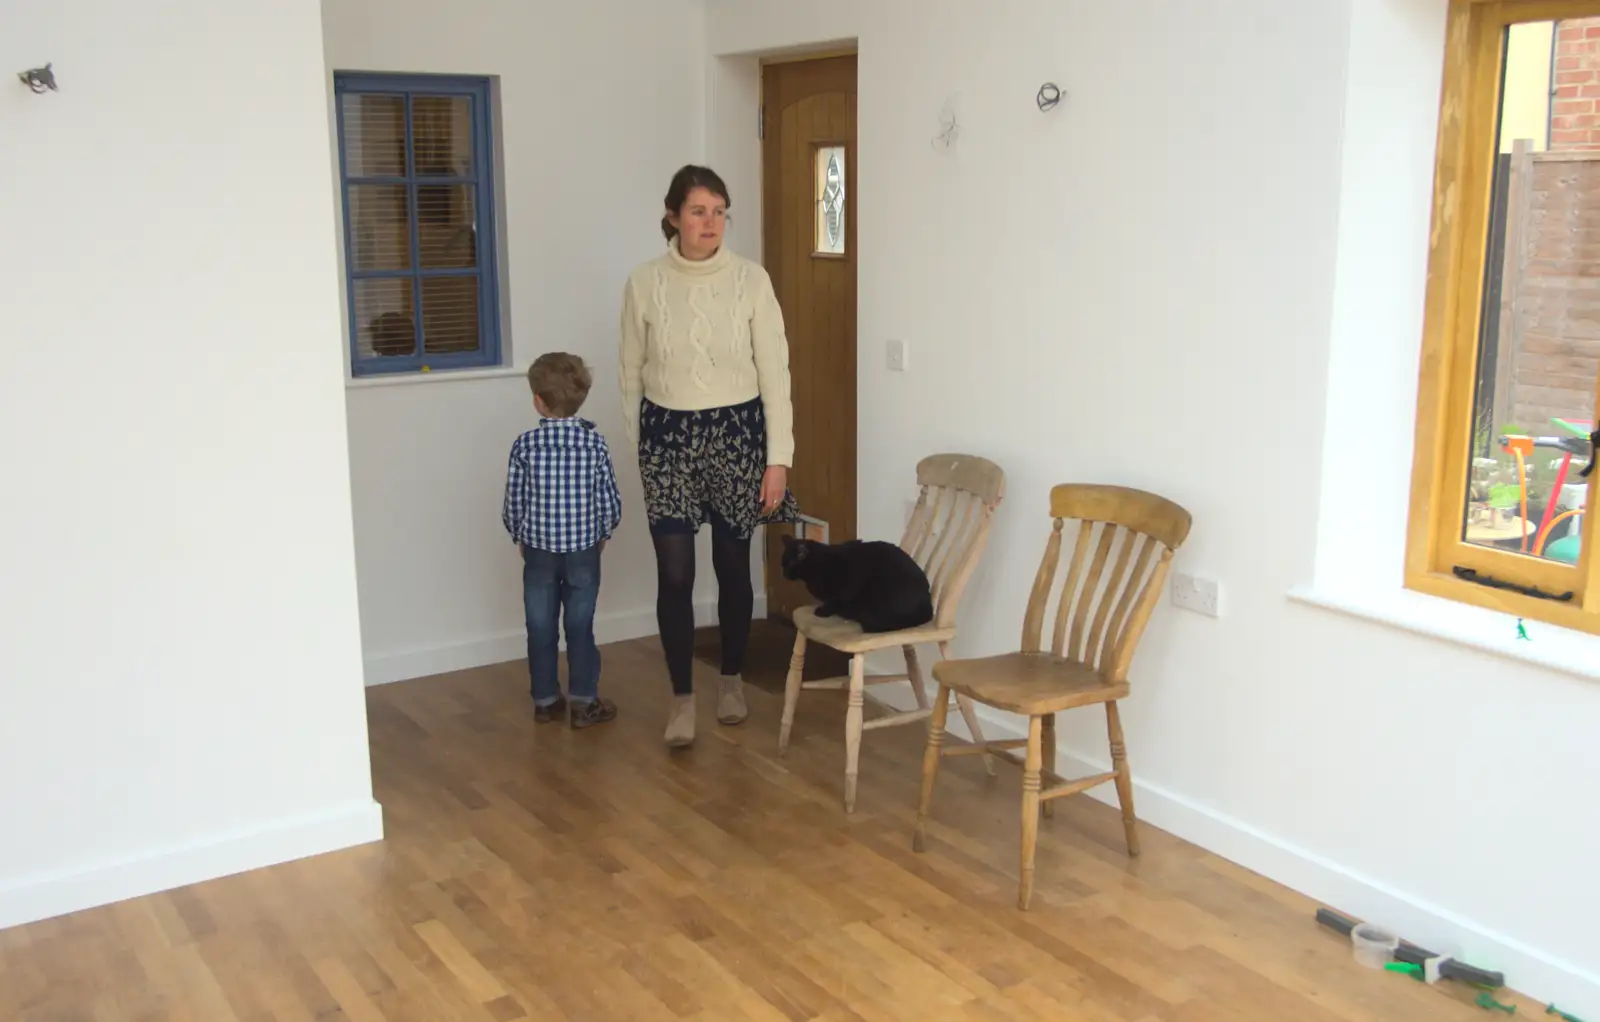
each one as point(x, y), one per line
point(896, 354)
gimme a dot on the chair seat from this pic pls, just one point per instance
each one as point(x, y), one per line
point(1028, 683)
point(847, 637)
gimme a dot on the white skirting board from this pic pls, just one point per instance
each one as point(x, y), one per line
point(1527, 969)
point(404, 665)
point(49, 895)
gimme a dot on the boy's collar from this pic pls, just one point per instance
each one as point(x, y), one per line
point(573, 420)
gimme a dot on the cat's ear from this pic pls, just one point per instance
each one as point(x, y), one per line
point(788, 541)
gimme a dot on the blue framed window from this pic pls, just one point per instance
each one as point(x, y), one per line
point(416, 169)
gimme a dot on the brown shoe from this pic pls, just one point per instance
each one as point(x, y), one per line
point(680, 723)
point(731, 708)
point(596, 711)
point(555, 711)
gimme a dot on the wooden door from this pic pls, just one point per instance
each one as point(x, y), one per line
point(808, 122)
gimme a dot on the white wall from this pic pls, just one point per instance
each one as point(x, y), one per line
point(733, 147)
point(1209, 257)
point(179, 641)
point(599, 103)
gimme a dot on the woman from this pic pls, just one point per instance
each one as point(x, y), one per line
point(705, 393)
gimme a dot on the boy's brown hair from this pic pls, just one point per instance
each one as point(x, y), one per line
point(561, 381)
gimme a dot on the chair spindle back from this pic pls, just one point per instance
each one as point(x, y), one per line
point(1100, 614)
point(950, 524)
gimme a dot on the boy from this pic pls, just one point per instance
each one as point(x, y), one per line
point(561, 506)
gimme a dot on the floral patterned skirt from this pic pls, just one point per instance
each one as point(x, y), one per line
point(705, 467)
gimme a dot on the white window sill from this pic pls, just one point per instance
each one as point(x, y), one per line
point(439, 376)
point(1559, 649)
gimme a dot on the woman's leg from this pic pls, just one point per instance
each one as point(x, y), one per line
point(730, 557)
point(736, 597)
point(675, 605)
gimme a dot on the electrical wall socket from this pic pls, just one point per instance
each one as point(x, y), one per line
point(1201, 595)
point(895, 355)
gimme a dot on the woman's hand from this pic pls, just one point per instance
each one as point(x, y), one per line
point(774, 485)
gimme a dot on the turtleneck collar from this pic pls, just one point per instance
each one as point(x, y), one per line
point(717, 261)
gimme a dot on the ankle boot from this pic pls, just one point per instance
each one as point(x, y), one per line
point(731, 707)
point(680, 722)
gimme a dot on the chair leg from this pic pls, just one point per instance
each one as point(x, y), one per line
point(1049, 740)
point(791, 691)
point(1030, 808)
point(1119, 763)
point(914, 674)
point(970, 715)
point(930, 766)
point(852, 729)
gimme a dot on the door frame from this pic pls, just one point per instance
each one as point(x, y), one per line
point(804, 56)
point(810, 527)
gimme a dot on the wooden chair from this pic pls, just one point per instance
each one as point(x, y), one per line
point(946, 535)
point(1097, 628)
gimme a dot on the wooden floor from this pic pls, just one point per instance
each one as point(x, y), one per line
point(543, 873)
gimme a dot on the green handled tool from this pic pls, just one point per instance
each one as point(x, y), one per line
point(1434, 967)
point(1487, 1002)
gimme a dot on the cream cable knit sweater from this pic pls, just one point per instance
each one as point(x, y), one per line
point(706, 334)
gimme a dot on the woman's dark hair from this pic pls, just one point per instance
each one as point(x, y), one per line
point(686, 180)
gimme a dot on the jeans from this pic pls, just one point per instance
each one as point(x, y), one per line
point(553, 584)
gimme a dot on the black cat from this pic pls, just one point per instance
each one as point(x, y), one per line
point(873, 583)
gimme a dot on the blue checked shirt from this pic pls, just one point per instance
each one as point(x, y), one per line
point(561, 491)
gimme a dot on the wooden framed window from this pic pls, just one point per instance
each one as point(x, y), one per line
point(1501, 515)
point(416, 176)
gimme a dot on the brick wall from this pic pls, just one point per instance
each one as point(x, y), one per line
point(1575, 116)
point(1549, 324)
point(1549, 330)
